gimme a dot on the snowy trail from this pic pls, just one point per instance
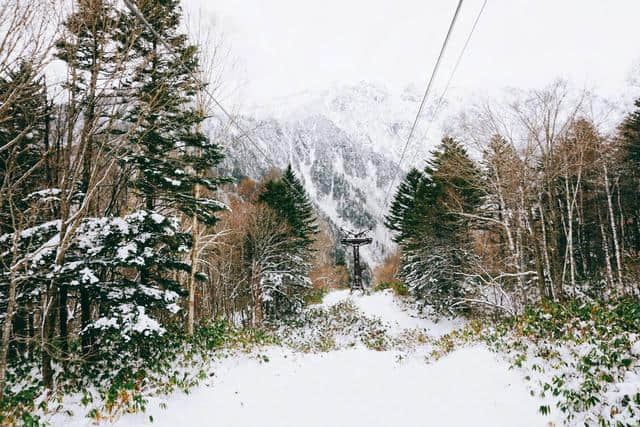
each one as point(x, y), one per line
point(355, 387)
point(384, 306)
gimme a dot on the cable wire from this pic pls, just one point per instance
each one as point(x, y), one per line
point(422, 104)
point(453, 72)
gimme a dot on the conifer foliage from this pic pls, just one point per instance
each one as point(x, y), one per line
point(407, 212)
point(288, 197)
point(24, 135)
point(170, 152)
point(426, 217)
point(289, 277)
point(630, 132)
point(99, 189)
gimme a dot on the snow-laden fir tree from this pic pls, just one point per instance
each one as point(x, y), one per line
point(289, 279)
point(433, 235)
point(88, 48)
point(24, 140)
point(172, 158)
point(171, 154)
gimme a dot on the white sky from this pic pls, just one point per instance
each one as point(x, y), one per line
point(287, 46)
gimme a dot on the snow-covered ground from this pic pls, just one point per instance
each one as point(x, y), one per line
point(383, 305)
point(352, 387)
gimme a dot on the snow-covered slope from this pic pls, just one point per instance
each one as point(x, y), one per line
point(353, 386)
point(345, 142)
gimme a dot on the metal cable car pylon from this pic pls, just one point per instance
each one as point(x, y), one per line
point(356, 240)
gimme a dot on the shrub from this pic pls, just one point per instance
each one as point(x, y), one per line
point(584, 355)
point(128, 371)
point(398, 288)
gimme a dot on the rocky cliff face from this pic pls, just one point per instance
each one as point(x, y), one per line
point(344, 143)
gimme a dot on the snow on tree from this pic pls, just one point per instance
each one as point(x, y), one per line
point(168, 149)
point(434, 237)
point(286, 196)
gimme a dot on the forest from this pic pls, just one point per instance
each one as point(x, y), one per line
point(533, 200)
point(126, 249)
point(116, 225)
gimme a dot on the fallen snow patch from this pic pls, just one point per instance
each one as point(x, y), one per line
point(386, 307)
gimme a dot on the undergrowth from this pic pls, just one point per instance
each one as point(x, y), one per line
point(581, 357)
point(343, 325)
point(127, 373)
point(398, 288)
point(584, 356)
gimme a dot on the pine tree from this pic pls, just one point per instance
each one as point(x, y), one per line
point(287, 198)
point(171, 154)
point(433, 234)
point(409, 209)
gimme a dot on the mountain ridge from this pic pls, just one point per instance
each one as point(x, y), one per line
point(345, 144)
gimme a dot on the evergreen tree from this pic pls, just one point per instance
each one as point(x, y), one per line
point(171, 154)
point(434, 237)
point(89, 50)
point(25, 139)
point(456, 186)
point(106, 257)
point(87, 46)
point(288, 199)
point(409, 209)
point(630, 178)
point(172, 157)
point(630, 130)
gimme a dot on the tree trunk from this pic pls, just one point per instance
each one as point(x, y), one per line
point(192, 274)
point(614, 230)
point(607, 255)
point(545, 248)
point(570, 204)
point(257, 299)
point(32, 333)
point(48, 332)
point(6, 327)
point(85, 319)
point(64, 334)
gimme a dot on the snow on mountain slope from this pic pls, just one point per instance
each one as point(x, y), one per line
point(346, 143)
point(351, 387)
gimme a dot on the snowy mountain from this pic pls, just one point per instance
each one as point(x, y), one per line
point(345, 143)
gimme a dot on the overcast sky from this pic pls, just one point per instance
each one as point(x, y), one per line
point(287, 46)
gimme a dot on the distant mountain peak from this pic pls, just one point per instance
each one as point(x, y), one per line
point(345, 143)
